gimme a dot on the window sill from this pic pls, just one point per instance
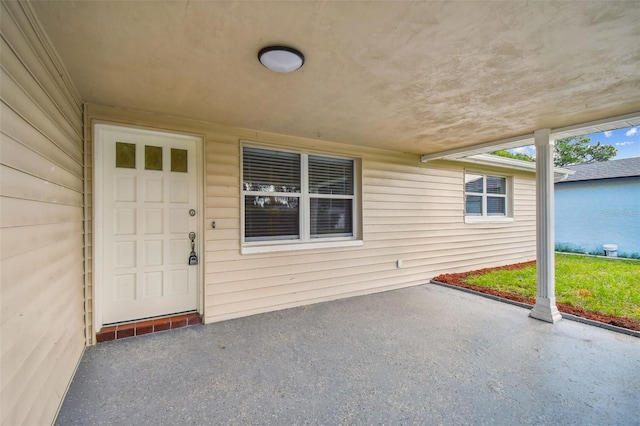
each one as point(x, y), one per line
point(299, 246)
point(487, 219)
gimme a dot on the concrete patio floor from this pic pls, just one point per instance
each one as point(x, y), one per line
point(421, 355)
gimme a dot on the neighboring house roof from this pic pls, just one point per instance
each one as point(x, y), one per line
point(627, 167)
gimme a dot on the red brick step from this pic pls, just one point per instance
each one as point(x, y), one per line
point(138, 328)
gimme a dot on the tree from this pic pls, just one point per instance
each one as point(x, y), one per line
point(570, 151)
point(580, 151)
point(517, 156)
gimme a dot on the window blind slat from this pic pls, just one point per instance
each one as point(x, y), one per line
point(473, 183)
point(496, 206)
point(270, 171)
point(496, 185)
point(473, 205)
point(331, 217)
point(275, 217)
point(330, 175)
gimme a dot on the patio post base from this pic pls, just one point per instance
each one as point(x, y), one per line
point(545, 310)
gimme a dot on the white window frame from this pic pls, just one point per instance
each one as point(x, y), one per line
point(305, 241)
point(484, 218)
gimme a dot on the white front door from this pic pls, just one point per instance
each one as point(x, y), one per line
point(147, 196)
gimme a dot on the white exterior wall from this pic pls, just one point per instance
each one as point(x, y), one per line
point(41, 224)
point(411, 211)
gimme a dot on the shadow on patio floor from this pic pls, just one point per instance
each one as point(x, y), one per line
point(421, 355)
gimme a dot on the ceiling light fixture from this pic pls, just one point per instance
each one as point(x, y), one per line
point(281, 58)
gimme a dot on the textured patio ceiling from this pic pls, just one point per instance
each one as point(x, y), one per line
point(417, 77)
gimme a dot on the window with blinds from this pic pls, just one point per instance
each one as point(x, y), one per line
point(271, 183)
point(331, 197)
point(485, 195)
point(296, 197)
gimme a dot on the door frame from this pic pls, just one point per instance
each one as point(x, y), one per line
point(97, 128)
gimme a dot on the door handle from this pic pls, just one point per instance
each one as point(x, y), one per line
point(193, 258)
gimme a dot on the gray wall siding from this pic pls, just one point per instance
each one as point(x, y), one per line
point(411, 211)
point(41, 225)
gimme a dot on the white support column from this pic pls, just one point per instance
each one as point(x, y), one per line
point(545, 308)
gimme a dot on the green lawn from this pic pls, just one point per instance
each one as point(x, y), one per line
point(595, 284)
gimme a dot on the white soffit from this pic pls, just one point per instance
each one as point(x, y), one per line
point(482, 148)
point(620, 122)
point(513, 164)
point(613, 123)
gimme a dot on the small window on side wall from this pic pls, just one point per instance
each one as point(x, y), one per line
point(485, 196)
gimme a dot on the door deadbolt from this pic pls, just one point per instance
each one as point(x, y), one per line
point(192, 212)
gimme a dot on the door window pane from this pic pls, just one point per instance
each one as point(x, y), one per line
point(125, 155)
point(179, 160)
point(152, 157)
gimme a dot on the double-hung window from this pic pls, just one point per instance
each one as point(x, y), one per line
point(291, 197)
point(485, 196)
point(331, 196)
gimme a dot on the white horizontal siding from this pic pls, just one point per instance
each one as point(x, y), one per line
point(15, 127)
point(18, 99)
point(41, 224)
point(411, 211)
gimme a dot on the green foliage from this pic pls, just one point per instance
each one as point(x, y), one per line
point(569, 248)
point(570, 151)
point(505, 153)
point(580, 151)
point(608, 286)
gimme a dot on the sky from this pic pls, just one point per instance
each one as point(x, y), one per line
point(626, 141)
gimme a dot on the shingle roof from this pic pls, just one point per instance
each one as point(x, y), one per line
point(627, 167)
